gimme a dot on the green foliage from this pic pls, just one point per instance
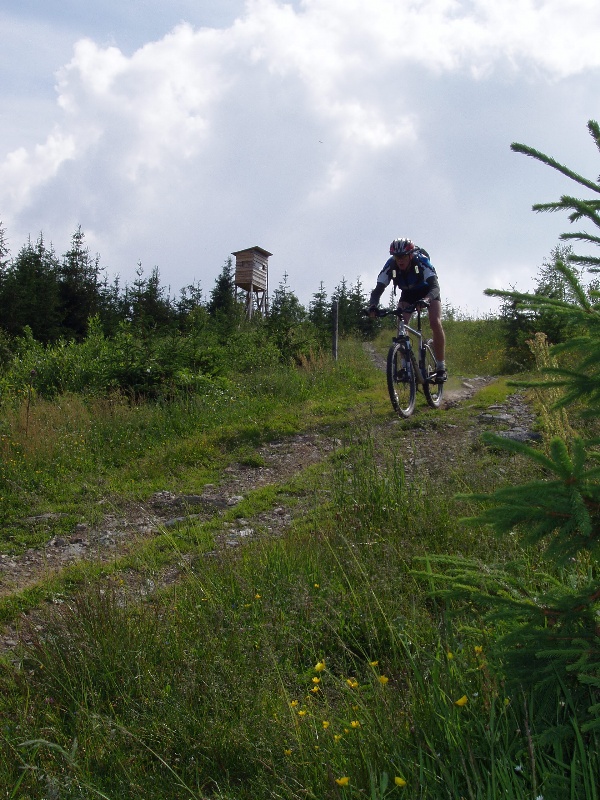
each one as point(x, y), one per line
point(149, 367)
point(547, 624)
point(579, 208)
point(4, 251)
point(474, 346)
point(319, 311)
point(561, 515)
point(222, 306)
point(79, 282)
point(351, 303)
point(556, 288)
point(29, 293)
point(147, 305)
point(282, 668)
point(297, 338)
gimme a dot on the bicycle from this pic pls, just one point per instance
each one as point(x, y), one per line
point(404, 372)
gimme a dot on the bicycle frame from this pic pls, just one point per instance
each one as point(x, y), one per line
point(403, 333)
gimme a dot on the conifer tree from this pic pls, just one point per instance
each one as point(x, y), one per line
point(29, 293)
point(80, 296)
point(222, 296)
point(319, 310)
point(341, 296)
point(149, 304)
point(4, 251)
point(552, 622)
point(586, 209)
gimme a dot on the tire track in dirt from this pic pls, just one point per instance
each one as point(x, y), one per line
point(125, 528)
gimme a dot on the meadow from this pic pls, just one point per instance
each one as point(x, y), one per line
point(319, 663)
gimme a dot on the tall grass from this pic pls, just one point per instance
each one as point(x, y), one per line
point(307, 666)
point(57, 454)
point(473, 346)
point(313, 665)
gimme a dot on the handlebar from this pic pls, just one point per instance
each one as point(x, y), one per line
point(420, 305)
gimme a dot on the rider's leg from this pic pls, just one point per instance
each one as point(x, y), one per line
point(402, 304)
point(437, 331)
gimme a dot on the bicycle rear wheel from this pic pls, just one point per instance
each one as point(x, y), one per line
point(401, 381)
point(433, 391)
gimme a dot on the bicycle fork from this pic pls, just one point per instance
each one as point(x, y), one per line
point(408, 355)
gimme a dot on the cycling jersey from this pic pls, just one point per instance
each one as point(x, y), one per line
point(415, 282)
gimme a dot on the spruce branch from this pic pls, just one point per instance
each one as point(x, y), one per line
point(594, 130)
point(530, 151)
point(579, 208)
point(561, 514)
point(580, 236)
point(586, 261)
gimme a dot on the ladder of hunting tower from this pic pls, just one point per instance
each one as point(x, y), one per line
point(252, 279)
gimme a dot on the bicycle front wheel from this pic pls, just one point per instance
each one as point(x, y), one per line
point(401, 381)
point(433, 391)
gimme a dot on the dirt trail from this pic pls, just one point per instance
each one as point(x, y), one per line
point(122, 529)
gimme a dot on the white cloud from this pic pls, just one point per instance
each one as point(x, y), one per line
point(23, 172)
point(296, 123)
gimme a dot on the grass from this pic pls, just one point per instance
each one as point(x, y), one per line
point(312, 665)
point(72, 453)
point(469, 343)
point(278, 670)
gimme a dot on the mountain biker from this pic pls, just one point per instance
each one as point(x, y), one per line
point(413, 273)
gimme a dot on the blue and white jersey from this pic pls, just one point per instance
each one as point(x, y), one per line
point(418, 280)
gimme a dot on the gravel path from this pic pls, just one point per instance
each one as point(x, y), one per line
point(121, 530)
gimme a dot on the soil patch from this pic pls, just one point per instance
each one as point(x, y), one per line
point(122, 529)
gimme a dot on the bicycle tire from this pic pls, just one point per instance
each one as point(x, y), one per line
point(433, 391)
point(401, 381)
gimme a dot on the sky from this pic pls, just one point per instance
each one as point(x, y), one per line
point(177, 133)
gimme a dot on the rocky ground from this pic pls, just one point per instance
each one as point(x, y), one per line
point(121, 529)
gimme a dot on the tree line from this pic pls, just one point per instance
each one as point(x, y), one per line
point(55, 297)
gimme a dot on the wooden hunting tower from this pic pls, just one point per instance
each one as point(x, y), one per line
point(252, 278)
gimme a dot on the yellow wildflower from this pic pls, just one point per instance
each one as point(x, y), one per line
point(320, 666)
point(315, 689)
point(399, 781)
point(316, 680)
point(257, 596)
point(342, 781)
point(355, 723)
point(325, 724)
point(373, 663)
point(294, 703)
point(337, 737)
point(383, 680)
point(352, 683)
point(316, 585)
point(302, 713)
point(478, 649)
point(462, 701)
point(449, 655)
point(287, 752)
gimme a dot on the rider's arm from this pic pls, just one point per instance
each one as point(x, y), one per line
point(431, 279)
point(383, 281)
point(433, 292)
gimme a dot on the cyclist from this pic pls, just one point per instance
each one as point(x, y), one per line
point(413, 273)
